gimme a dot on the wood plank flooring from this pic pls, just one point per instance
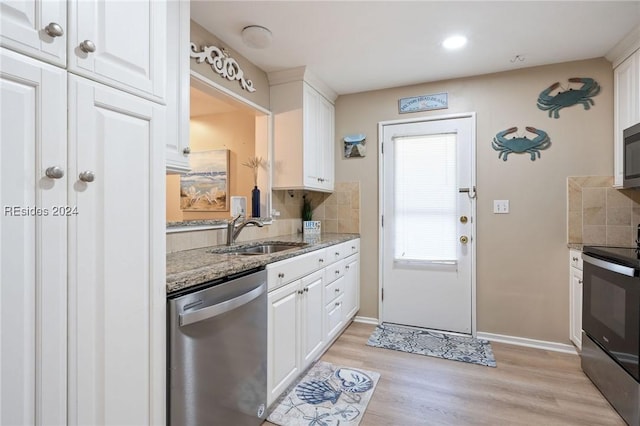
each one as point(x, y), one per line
point(529, 387)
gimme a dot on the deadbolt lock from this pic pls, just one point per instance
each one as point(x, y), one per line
point(463, 219)
point(464, 239)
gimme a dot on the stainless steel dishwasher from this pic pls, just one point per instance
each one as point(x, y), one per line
point(217, 354)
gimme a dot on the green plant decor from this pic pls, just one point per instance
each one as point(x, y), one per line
point(307, 212)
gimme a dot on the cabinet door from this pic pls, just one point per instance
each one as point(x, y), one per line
point(283, 346)
point(575, 307)
point(351, 287)
point(313, 162)
point(311, 314)
point(177, 150)
point(626, 107)
point(24, 25)
point(33, 271)
point(116, 257)
point(326, 133)
point(129, 41)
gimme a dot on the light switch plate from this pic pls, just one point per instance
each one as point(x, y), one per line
point(501, 206)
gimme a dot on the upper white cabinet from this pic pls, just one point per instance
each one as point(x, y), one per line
point(304, 134)
point(35, 28)
point(120, 43)
point(625, 57)
point(177, 141)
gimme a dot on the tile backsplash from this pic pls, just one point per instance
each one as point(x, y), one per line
point(600, 214)
point(338, 212)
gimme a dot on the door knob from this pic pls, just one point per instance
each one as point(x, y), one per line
point(87, 46)
point(54, 30)
point(87, 176)
point(54, 172)
point(464, 239)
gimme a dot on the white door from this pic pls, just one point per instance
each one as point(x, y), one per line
point(35, 28)
point(120, 43)
point(116, 257)
point(33, 224)
point(427, 223)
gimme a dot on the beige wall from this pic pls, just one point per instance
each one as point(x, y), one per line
point(233, 131)
point(201, 37)
point(522, 272)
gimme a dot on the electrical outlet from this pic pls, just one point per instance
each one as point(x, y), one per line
point(501, 206)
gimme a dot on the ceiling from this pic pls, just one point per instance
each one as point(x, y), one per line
point(356, 46)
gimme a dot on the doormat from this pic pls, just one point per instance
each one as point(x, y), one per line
point(327, 395)
point(433, 343)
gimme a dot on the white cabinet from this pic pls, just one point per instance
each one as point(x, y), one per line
point(33, 245)
point(35, 28)
point(120, 43)
point(626, 78)
point(83, 230)
point(303, 138)
point(309, 304)
point(116, 286)
point(575, 298)
point(178, 71)
point(295, 331)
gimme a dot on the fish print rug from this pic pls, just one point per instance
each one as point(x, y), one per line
point(327, 395)
point(433, 343)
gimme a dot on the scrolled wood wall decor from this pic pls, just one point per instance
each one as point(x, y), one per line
point(221, 63)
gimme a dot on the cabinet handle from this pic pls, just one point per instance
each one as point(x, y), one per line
point(353, 247)
point(54, 172)
point(321, 260)
point(87, 176)
point(346, 267)
point(337, 271)
point(54, 30)
point(306, 289)
point(337, 253)
point(299, 292)
point(186, 151)
point(579, 281)
point(337, 290)
point(575, 259)
point(281, 275)
point(338, 303)
point(87, 46)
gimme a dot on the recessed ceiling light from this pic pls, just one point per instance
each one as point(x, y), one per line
point(256, 36)
point(454, 42)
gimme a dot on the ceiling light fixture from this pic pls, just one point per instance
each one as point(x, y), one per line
point(256, 36)
point(454, 42)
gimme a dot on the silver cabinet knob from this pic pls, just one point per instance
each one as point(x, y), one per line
point(54, 172)
point(346, 267)
point(87, 46)
point(186, 151)
point(321, 260)
point(87, 176)
point(54, 30)
point(338, 303)
point(306, 289)
point(337, 290)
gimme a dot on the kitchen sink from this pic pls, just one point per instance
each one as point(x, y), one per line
point(266, 248)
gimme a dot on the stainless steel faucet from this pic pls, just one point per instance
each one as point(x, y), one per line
point(233, 232)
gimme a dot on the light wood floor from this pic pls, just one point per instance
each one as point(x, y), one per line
point(529, 387)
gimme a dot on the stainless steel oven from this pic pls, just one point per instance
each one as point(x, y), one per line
point(631, 154)
point(611, 325)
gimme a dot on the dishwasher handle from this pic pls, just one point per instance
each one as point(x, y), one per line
point(220, 308)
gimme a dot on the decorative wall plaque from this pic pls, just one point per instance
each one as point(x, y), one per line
point(423, 103)
point(221, 63)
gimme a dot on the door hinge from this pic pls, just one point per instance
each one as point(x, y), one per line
point(383, 294)
point(382, 148)
point(382, 223)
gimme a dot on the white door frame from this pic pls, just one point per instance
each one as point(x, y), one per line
point(381, 125)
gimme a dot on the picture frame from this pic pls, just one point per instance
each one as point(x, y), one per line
point(206, 187)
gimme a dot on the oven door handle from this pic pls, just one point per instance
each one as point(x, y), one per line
point(610, 266)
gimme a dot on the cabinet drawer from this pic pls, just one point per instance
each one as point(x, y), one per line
point(333, 290)
point(285, 271)
point(575, 259)
point(340, 251)
point(334, 271)
point(334, 316)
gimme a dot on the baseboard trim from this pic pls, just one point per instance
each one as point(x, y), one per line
point(530, 343)
point(366, 320)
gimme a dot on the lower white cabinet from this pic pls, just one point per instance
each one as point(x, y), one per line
point(306, 314)
point(82, 273)
point(575, 298)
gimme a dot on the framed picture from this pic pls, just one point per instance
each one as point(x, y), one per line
point(206, 186)
point(355, 146)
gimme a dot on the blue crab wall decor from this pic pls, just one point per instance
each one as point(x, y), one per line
point(520, 145)
point(570, 97)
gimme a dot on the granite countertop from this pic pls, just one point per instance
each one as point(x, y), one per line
point(192, 267)
point(575, 246)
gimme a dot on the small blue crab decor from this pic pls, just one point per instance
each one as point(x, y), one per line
point(570, 97)
point(520, 145)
